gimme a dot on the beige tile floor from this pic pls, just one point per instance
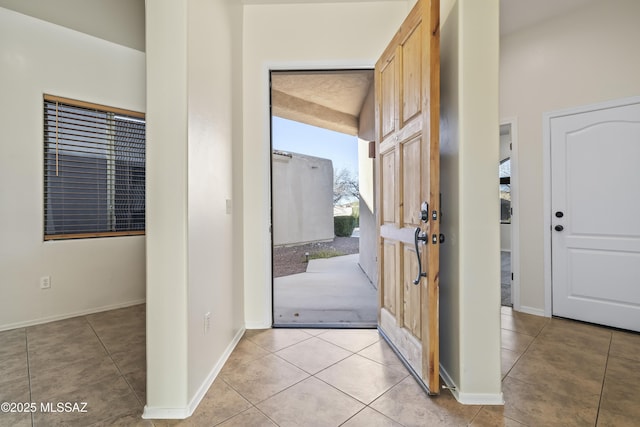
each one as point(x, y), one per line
point(555, 373)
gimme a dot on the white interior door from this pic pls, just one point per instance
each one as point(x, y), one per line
point(595, 201)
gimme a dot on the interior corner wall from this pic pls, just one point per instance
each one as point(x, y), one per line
point(470, 257)
point(293, 36)
point(192, 93)
point(450, 188)
point(587, 56)
point(167, 224)
point(87, 275)
point(212, 285)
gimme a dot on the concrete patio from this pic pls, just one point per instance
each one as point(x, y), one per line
point(333, 292)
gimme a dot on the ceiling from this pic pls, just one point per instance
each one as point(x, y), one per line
point(330, 100)
point(118, 21)
point(122, 21)
point(333, 99)
point(326, 99)
point(516, 15)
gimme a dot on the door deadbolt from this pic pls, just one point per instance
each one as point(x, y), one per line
point(424, 212)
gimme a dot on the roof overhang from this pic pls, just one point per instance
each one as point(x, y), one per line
point(326, 99)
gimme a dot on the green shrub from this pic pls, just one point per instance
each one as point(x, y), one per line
point(343, 225)
point(356, 214)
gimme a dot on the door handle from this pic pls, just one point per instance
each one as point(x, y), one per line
point(419, 236)
point(558, 228)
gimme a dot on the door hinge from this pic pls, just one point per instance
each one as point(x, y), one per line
point(512, 276)
point(510, 146)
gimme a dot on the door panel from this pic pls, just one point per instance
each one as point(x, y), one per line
point(596, 241)
point(411, 74)
point(389, 277)
point(411, 180)
point(388, 97)
point(412, 293)
point(387, 172)
point(408, 164)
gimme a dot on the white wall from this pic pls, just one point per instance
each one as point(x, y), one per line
point(585, 57)
point(302, 199)
point(366, 175)
point(119, 21)
point(287, 36)
point(87, 275)
point(213, 287)
point(191, 266)
point(469, 258)
point(167, 238)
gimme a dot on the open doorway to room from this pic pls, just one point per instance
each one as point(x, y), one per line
point(506, 211)
point(323, 231)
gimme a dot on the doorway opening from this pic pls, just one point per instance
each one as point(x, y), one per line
point(323, 228)
point(506, 211)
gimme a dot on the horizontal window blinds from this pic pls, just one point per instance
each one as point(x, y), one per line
point(94, 170)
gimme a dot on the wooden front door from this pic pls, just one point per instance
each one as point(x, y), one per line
point(407, 78)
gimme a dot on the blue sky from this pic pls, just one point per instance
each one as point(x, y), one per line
point(304, 139)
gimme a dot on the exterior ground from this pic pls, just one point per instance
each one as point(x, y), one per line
point(292, 259)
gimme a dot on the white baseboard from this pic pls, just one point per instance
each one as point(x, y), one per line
point(151, 413)
point(480, 398)
point(257, 325)
point(182, 413)
point(197, 398)
point(70, 315)
point(470, 398)
point(532, 310)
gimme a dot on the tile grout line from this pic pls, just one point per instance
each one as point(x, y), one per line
point(114, 362)
point(535, 337)
point(286, 388)
point(352, 353)
point(476, 415)
point(604, 378)
point(273, 351)
point(255, 405)
point(366, 405)
point(26, 342)
point(310, 376)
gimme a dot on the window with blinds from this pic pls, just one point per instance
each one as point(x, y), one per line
point(94, 170)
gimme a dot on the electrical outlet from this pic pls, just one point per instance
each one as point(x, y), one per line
point(45, 282)
point(207, 322)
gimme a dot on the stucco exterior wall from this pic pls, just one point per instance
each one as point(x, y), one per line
point(366, 174)
point(302, 199)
